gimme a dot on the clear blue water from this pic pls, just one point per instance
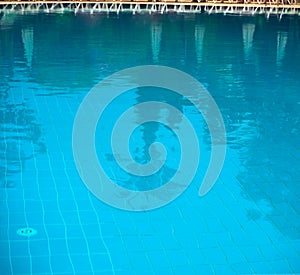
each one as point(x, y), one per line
point(248, 223)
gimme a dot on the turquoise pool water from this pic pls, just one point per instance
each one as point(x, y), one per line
point(248, 223)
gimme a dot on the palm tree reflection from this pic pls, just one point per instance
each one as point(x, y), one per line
point(20, 138)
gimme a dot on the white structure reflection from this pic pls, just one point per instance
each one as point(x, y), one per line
point(248, 33)
point(156, 31)
point(282, 38)
point(199, 38)
point(27, 38)
point(8, 19)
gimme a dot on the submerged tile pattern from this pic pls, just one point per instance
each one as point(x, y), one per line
point(220, 233)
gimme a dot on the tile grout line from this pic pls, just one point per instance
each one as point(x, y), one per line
point(41, 200)
point(101, 236)
point(74, 198)
point(96, 213)
point(22, 185)
point(59, 209)
point(7, 206)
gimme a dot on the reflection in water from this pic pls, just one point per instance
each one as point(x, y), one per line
point(27, 38)
point(248, 33)
point(20, 132)
point(7, 20)
point(242, 132)
point(262, 117)
point(260, 112)
point(156, 31)
point(20, 138)
point(149, 133)
point(282, 38)
point(199, 38)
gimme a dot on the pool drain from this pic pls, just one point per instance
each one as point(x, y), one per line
point(26, 232)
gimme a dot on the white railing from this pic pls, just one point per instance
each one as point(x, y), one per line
point(268, 7)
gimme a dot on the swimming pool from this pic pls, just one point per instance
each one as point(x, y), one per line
point(249, 221)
